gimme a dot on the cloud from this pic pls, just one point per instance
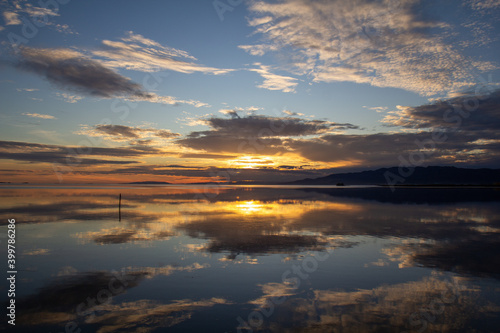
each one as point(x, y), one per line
point(275, 81)
point(125, 133)
point(37, 115)
point(11, 18)
point(467, 126)
point(27, 89)
point(258, 50)
point(277, 126)
point(70, 69)
point(40, 16)
point(39, 11)
point(385, 150)
point(467, 112)
point(484, 4)
point(13, 12)
point(69, 98)
point(138, 53)
point(37, 252)
point(232, 113)
point(207, 156)
point(382, 43)
point(378, 109)
point(264, 133)
point(49, 157)
point(65, 29)
point(290, 113)
point(73, 155)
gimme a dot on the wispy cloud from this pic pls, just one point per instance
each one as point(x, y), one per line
point(69, 97)
point(39, 11)
point(27, 89)
point(378, 109)
point(42, 153)
point(11, 18)
point(139, 53)
point(37, 115)
point(483, 4)
point(120, 133)
point(68, 68)
point(382, 43)
point(274, 81)
point(13, 12)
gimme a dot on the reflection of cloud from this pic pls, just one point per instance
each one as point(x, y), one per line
point(378, 263)
point(167, 270)
point(60, 301)
point(397, 307)
point(147, 316)
point(478, 256)
point(37, 252)
point(273, 290)
point(67, 270)
point(57, 301)
point(240, 221)
point(253, 228)
point(120, 235)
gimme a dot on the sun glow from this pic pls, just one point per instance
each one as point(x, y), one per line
point(250, 207)
point(251, 162)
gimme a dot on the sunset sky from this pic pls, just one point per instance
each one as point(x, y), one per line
point(201, 90)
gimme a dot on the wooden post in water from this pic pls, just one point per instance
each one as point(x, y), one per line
point(120, 208)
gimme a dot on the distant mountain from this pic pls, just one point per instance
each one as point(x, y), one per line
point(150, 183)
point(432, 175)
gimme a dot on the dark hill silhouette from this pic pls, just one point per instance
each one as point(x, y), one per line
point(432, 175)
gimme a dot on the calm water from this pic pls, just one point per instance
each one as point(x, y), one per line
point(185, 259)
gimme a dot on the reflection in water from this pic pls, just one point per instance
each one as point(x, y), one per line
point(191, 263)
point(136, 316)
point(432, 304)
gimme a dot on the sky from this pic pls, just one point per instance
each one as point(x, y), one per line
point(232, 90)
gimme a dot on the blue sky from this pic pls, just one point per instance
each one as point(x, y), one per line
point(173, 91)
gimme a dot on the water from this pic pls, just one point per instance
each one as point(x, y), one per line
point(229, 259)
